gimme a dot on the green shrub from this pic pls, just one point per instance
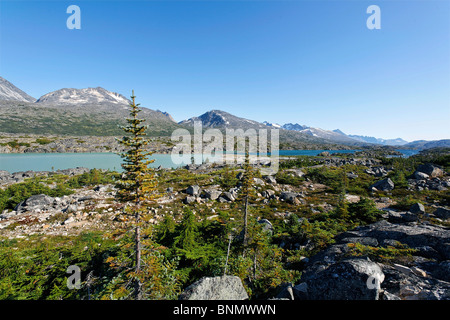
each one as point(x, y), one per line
point(381, 254)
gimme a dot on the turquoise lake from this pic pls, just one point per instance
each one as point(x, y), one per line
point(15, 162)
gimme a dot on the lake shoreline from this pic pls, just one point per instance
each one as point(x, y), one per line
point(23, 162)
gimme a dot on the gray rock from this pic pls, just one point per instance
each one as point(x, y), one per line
point(85, 198)
point(270, 179)
point(212, 194)
point(417, 208)
point(401, 217)
point(234, 192)
point(258, 181)
point(427, 277)
point(101, 188)
point(189, 200)
point(296, 172)
point(420, 175)
point(289, 197)
point(285, 291)
point(301, 291)
point(228, 196)
point(215, 288)
point(350, 279)
point(442, 213)
point(71, 208)
point(267, 225)
point(409, 217)
point(384, 185)
point(69, 220)
point(389, 296)
point(431, 170)
point(34, 202)
point(367, 241)
point(268, 193)
point(352, 175)
point(222, 200)
point(193, 190)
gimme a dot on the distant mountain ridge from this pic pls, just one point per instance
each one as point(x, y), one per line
point(222, 119)
point(69, 111)
point(386, 142)
point(97, 111)
point(424, 144)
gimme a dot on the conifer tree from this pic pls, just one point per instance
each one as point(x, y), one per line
point(247, 192)
point(137, 188)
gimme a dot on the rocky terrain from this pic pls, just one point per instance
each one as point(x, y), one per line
point(404, 255)
point(30, 143)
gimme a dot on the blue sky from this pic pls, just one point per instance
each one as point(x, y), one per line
point(310, 62)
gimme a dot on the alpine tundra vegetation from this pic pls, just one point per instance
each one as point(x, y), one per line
point(320, 222)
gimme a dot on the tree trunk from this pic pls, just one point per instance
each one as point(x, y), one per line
point(137, 281)
point(245, 221)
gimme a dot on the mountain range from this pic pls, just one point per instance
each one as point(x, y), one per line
point(97, 111)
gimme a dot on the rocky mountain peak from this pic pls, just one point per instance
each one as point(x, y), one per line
point(83, 96)
point(8, 91)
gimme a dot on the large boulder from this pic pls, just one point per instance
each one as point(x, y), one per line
point(425, 277)
point(350, 279)
point(430, 169)
point(212, 194)
point(420, 175)
point(215, 288)
point(193, 190)
point(38, 201)
point(417, 208)
point(384, 185)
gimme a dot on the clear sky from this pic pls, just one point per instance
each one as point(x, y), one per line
point(309, 62)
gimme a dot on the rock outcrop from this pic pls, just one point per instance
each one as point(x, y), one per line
point(336, 274)
point(215, 288)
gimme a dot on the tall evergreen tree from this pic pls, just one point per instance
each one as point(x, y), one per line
point(247, 192)
point(137, 187)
